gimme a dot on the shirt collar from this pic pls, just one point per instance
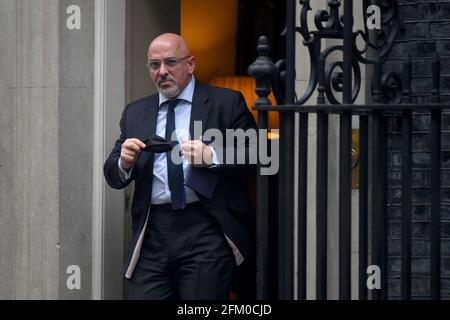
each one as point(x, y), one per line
point(187, 94)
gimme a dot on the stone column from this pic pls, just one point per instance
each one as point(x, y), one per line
point(46, 98)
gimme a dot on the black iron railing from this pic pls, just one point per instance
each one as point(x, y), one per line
point(391, 94)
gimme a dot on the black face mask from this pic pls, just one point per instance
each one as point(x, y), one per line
point(157, 144)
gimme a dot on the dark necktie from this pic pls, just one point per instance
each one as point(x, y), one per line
point(174, 171)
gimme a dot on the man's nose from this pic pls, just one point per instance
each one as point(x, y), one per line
point(163, 69)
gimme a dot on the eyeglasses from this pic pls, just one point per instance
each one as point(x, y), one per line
point(155, 65)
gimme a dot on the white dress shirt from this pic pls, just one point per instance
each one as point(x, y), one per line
point(160, 190)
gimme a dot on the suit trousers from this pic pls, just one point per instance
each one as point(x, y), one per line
point(184, 255)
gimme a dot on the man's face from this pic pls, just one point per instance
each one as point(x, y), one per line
point(170, 68)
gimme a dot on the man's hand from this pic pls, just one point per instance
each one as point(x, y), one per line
point(131, 149)
point(197, 153)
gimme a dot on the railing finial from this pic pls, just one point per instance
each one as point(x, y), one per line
point(263, 69)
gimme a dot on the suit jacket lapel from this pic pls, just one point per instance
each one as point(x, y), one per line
point(149, 123)
point(200, 109)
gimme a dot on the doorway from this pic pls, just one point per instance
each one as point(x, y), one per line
point(224, 42)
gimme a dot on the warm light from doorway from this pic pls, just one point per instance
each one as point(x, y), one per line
point(246, 85)
point(210, 29)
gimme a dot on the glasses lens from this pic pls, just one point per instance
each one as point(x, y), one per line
point(154, 65)
point(171, 62)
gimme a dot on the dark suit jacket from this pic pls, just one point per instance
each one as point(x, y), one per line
point(217, 108)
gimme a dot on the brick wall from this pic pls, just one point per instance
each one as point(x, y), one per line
point(427, 31)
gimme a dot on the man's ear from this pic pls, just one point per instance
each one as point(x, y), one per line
point(192, 65)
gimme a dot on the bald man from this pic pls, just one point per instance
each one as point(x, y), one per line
point(190, 216)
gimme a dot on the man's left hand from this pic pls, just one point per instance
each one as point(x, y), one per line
point(197, 153)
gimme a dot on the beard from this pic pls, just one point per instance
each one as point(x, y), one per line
point(169, 92)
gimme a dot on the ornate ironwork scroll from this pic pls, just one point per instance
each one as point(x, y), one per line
point(327, 76)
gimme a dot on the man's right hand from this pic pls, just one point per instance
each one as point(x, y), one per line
point(130, 151)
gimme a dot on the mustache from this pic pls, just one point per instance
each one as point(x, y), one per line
point(165, 78)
